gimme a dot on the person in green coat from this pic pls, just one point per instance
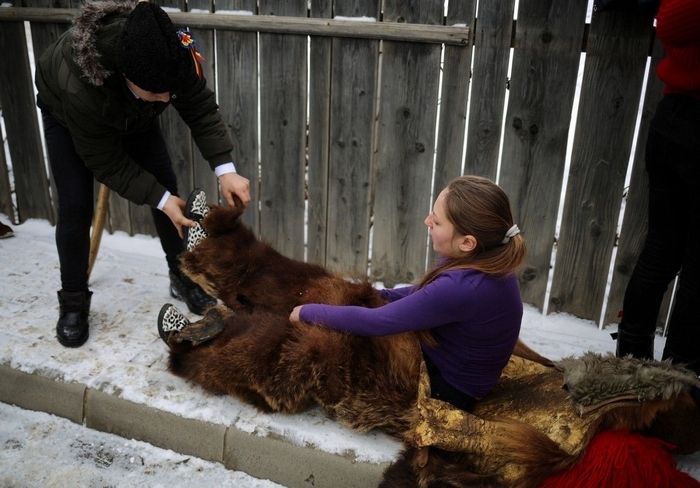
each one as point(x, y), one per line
point(101, 87)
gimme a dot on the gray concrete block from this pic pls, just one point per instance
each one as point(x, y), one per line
point(34, 392)
point(296, 467)
point(111, 414)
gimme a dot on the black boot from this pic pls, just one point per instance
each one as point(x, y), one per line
point(189, 292)
point(72, 326)
point(640, 346)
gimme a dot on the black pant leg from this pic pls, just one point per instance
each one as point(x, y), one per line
point(74, 184)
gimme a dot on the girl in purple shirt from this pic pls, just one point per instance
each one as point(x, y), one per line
point(467, 310)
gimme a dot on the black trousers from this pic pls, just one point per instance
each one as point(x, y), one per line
point(673, 239)
point(75, 184)
point(442, 390)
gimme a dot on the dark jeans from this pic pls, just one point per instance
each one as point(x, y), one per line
point(74, 183)
point(442, 390)
point(673, 240)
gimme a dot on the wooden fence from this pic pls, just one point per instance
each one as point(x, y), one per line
point(353, 127)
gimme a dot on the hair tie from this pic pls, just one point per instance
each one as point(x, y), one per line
point(512, 232)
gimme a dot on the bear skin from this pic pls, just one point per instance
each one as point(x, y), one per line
point(264, 359)
point(276, 365)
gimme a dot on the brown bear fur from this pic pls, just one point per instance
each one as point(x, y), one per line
point(264, 359)
point(363, 382)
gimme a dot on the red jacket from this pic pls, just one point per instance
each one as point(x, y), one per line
point(678, 29)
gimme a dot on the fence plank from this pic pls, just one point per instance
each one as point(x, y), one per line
point(491, 52)
point(237, 65)
point(543, 82)
point(609, 101)
point(352, 121)
point(203, 177)
point(19, 112)
point(405, 149)
point(43, 35)
point(635, 221)
point(319, 138)
point(280, 24)
point(456, 75)
point(283, 132)
point(6, 205)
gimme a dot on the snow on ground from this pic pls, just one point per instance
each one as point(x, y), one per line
point(124, 356)
point(42, 450)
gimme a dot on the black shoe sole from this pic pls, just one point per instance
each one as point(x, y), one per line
point(189, 215)
point(161, 315)
point(78, 343)
point(188, 205)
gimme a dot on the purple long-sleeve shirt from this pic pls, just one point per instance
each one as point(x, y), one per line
point(475, 319)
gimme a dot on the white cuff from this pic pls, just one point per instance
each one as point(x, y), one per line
point(161, 204)
point(225, 168)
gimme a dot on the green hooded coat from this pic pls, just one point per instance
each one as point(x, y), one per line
point(79, 84)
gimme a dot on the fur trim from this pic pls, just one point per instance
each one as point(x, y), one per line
point(85, 27)
point(594, 379)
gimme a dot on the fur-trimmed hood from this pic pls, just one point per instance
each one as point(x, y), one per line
point(92, 52)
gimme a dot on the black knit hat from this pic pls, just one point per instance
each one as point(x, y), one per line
point(149, 52)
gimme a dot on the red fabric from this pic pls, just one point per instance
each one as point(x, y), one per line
point(621, 459)
point(678, 29)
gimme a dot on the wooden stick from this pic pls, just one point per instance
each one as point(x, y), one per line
point(98, 225)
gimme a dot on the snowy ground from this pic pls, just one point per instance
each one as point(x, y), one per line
point(41, 450)
point(124, 356)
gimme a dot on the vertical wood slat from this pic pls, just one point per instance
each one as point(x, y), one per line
point(237, 74)
point(318, 143)
point(21, 123)
point(43, 35)
point(202, 175)
point(283, 132)
point(635, 221)
point(494, 26)
point(456, 77)
point(609, 100)
point(405, 149)
point(545, 65)
point(352, 121)
point(6, 205)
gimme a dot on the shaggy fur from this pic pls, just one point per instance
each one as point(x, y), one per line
point(85, 36)
point(265, 360)
point(593, 379)
point(524, 431)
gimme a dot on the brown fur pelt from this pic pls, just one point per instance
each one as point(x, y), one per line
point(524, 431)
point(264, 359)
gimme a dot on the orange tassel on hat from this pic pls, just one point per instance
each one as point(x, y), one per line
point(188, 42)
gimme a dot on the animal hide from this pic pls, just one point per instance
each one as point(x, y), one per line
point(537, 421)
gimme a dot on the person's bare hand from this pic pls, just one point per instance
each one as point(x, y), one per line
point(173, 208)
point(294, 316)
point(235, 184)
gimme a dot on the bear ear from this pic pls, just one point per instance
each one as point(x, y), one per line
point(223, 220)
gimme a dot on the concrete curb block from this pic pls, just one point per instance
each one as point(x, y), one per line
point(263, 457)
point(294, 466)
point(34, 392)
point(114, 415)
